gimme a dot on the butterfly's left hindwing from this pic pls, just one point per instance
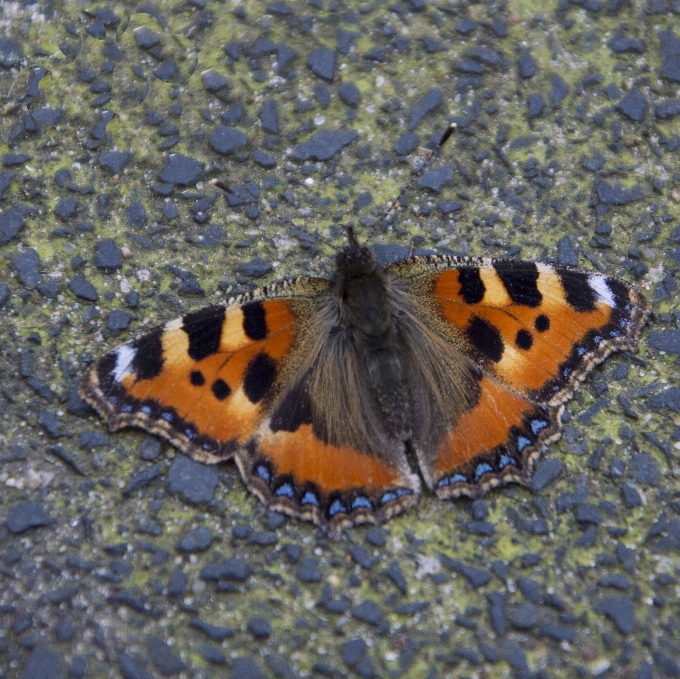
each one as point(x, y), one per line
point(535, 331)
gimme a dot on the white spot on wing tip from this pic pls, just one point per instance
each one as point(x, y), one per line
point(124, 357)
point(598, 284)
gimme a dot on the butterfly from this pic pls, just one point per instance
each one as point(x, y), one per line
point(330, 393)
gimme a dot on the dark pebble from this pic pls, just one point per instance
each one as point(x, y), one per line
point(559, 632)
point(309, 571)
point(42, 663)
point(264, 159)
point(567, 254)
point(5, 182)
point(269, 117)
point(633, 105)
point(667, 339)
point(322, 94)
point(558, 90)
point(245, 668)
point(499, 621)
point(353, 652)
point(212, 654)
point(477, 577)
point(10, 52)
point(177, 585)
point(82, 288)
point(131, 669)
point(466, 26)
point(644, 469)
point(449, 206)
point(668, 399)
point(437, 177)
point(406, 143)
point(26, 266)
point(214, 632)
point(322, 63)
point(259, 628)
point(367, 611)
point(621, 44)
point(255, 268)
point(143, 478)
point(620, 610)
point(523, 616)
point(376, 537)
point(226, 140)
point(323, 145)
point(135, 214)
point(193, 481)
point(526, 66)
point(51, 424)
point(11, 222)
point(349, 93)
point(196, 540)
point(631, 496)
point(107, 255)
point(4, 293)
point(181, 170)
point(663, 110)
point(293, 552)
point(388, 253)
point(114, 161)
point(190, 286)
point(165, 661)
point(118, 320)
point(27, 515)
point(535, 104)
point(213, 81)
point(67, 208)
point(48, 116)
point(616, 194)
point(151, 448)
point(12, 159)
point(228, 569)
point(670, 68)
point(595, 163)
point(432, 100)
point(233, 114)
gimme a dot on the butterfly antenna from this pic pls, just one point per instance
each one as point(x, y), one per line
point(390, 215)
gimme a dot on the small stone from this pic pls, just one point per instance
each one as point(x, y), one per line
point(323, 145)
point(26, 266)
point(228, 569)
point(143, 478)
point(437, 177)
point(67, 208)
point(213, 81)
point(131, 669)
point(82, 288)
point(259, 628)
point(367, 611)
point(322, 94)
point(48, 116)
point(42, 663)
point(165, 661)
point(633, 105)
point(135, 214)
point(11, 222)
point(406, 143)
point(595, 163)
point(269, 117)
point(181, 170)
point(245, 668)
point(546, 473)
point(349, 93)
point(558, 90)
point(255, 268)
point(27, 515)
point(118, 320)
point(193, 481)
point(432, 100)
point(645, 470)
point(226, 140)
point(353, 652)
point(622, 44)
point(10, 52)
point(620, 610)
point(535, 104)
point(213, 632)
point(114, 161)
point(664, 110)
point(523, 616)
point(196, 540)
point(526, 66)
point(107, 255)
point(322, 63)
point(264, 159)
point(615, 194)
point(567, 254)
point(4, 294)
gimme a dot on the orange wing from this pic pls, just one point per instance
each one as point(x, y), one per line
point(203, 381)
point(535, 330)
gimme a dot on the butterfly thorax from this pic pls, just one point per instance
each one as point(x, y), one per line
point(367, 313)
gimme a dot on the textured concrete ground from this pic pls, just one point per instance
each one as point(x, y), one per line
point(119, 557)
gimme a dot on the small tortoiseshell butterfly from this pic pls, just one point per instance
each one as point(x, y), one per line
point(326, 392)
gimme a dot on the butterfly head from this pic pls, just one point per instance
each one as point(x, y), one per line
point(362, 289)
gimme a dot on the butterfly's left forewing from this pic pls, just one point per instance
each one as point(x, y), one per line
point(535, 331)
point(204, 381)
